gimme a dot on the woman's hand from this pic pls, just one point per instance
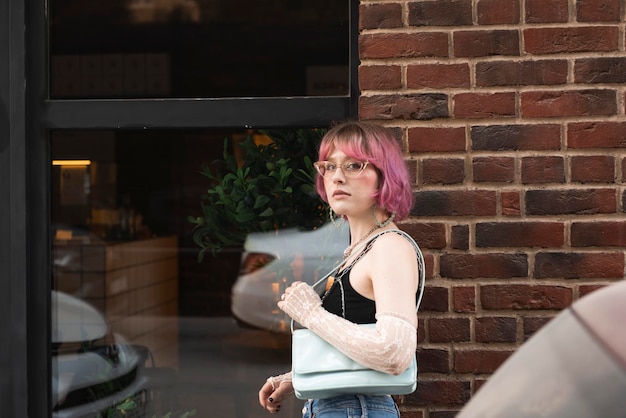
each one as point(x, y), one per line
point(300, 301)
point(271, 395)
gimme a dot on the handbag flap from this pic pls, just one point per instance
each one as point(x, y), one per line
point(311, 354)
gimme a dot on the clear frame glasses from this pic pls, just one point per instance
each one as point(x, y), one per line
point(348, 168)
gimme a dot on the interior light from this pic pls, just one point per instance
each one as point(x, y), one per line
point(71, 162)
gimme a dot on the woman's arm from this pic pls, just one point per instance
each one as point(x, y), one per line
point(388, 347)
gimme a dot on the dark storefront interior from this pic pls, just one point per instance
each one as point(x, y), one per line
point(155, 332)
point(199, 48)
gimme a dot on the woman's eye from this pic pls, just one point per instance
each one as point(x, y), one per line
point(331, 167)
point(353, 166)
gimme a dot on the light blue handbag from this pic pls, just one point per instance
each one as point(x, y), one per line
point(320, 371)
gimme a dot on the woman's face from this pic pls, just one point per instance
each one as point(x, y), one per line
point(350, 195)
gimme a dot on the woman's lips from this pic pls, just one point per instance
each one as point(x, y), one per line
point(339, 193)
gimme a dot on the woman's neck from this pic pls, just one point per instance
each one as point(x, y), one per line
point(362, 223)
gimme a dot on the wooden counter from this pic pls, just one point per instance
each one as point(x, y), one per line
point(134, 284)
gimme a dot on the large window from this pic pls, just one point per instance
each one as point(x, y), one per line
point(199, 48)
point(141, 97)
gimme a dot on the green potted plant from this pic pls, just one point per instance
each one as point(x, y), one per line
point(271, 187)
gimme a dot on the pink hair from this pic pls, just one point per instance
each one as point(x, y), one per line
point(376, 144)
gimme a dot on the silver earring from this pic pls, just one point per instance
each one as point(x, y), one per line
point(331, 215)
point(386, 221)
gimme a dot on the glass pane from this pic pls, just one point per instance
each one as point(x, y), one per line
point(140, 327)
point(198, 48)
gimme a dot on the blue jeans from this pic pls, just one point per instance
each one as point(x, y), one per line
point(351, 406)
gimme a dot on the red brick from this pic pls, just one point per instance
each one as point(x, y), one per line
point(525, 297)
point(478, 383)
point(520, 234)
point(407, 107)
point(459, 237)
point(596, 135)
point(454, 203)
point(570, 202)
point(409, 414)
point(412, 166)
point(584, 290)
point(433, 360)
point(521, 73)
point(593, 168)
point(435, 299)
point(380, 77)
point(493, 169)
point(534, 324)
point(546, 104)
point(484, 43)
point(608, 70)
point(440, 13)
point(498, 12)
point(484, 105)
point(421, 330)
point(464, 299)
point(431, 235)
point(429, 260)
point(441, 391)
point(483, 266)
point(443, 414)
point(542, 11)
point(543, 170)
point(437, 76)
point(380, 16)
point(435, 139)
point(571, 39)
point(403, 45)
point(598, 234)
point(479, 361)
point(448, 330)
point(498, 329)
point(398, 133)
point(516, 137)
point(443, 171)
point(598, 10)
point(510, 202)
point(579, 265)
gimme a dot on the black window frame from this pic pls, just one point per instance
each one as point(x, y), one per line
point(27, 115)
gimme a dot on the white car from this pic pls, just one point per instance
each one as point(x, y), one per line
point(273, 260)
point(95, 373)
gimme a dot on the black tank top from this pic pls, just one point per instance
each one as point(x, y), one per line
point(357, 309)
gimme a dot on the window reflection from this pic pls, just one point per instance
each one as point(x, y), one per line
point(198, 48)
point(140, 328)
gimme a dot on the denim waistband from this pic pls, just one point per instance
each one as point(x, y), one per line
point(353, 405)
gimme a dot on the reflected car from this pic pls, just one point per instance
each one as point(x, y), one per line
point(574, 367)
point(95, 373)
point(272, 261)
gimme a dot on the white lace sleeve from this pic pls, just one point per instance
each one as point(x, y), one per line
point(275, 381)
point(389, 347)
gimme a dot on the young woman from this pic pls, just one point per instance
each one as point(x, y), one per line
point(363, 177)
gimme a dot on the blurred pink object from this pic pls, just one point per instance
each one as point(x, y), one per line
point(574, 367)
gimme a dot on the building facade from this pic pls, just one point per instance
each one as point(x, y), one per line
point(511, 113)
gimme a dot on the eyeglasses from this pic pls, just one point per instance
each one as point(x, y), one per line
point(348, 168)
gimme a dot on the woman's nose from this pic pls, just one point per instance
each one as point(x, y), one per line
point(338, 176)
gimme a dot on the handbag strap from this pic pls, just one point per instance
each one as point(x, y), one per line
point(420, 265)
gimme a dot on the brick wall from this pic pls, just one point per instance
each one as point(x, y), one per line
point(512, 115)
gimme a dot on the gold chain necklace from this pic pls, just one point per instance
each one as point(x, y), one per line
point(348, 250)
